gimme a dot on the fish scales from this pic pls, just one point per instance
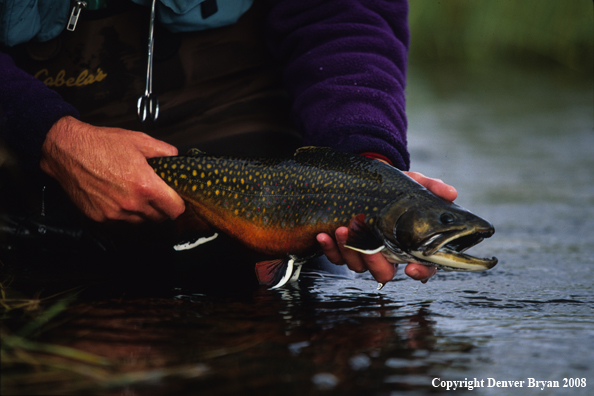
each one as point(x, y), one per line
point(284, 203)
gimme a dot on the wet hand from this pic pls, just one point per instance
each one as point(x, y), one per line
point(376, 264)
point(105, 173)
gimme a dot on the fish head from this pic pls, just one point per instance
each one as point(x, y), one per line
point(436, 232)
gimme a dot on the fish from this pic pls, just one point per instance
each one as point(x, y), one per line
point(277, 206)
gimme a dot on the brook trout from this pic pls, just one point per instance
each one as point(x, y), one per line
point(278, 206)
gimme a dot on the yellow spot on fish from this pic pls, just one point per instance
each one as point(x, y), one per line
point(208, 183)
point(224, 179)
point(183, 176)
point(217, 192)
point(173, 166)
point(202, 175)
point(162, 175)
point(194, 187)
point(194, 173)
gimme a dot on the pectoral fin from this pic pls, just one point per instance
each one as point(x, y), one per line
point(361, 238)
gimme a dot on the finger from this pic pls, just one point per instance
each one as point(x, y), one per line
point(168, 203)
point(161, 197)
point(382, 270)
point(153, 214)
point(353, 259)
point(420, 272)
point(436, 186)
point(151, 147)
point(330, 249)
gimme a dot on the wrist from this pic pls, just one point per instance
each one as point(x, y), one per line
point(377, 157)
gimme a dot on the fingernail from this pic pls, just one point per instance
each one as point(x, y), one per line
point(380, 286)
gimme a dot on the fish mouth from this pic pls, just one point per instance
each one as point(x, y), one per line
point(446, 250)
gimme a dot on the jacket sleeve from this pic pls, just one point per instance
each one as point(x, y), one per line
point(345, 66)
point(28, 109)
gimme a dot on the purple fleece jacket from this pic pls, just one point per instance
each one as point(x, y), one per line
point(346, 68)
point(344, 63)
point(28, 109)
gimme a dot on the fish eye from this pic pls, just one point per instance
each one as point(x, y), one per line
point(447, 218)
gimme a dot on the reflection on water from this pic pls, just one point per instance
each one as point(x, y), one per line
point(519, 149)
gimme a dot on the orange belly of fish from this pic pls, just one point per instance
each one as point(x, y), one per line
point(270, 239)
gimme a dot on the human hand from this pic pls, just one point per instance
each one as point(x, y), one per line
point(105, 173)
point(376, 264)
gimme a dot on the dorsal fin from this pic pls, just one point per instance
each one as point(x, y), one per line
point(194, 152)
point(311, 149)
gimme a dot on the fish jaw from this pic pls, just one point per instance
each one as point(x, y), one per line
point(450, 260)
point(445, 251)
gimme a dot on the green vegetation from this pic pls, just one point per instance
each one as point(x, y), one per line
point(527, 31)
point(33, 367)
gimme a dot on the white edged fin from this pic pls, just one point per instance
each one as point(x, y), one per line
point(192, 245)
point(374, 251)
point(287, 276)
point(296, 273)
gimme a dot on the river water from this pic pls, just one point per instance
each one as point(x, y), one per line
point(519, 147)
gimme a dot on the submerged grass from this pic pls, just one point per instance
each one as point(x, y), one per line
point(32, 367)
point(27, 363)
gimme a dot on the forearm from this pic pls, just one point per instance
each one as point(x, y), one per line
point(28, 110)
point(346, 69)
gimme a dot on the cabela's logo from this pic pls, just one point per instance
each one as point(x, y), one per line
point(83, 78)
